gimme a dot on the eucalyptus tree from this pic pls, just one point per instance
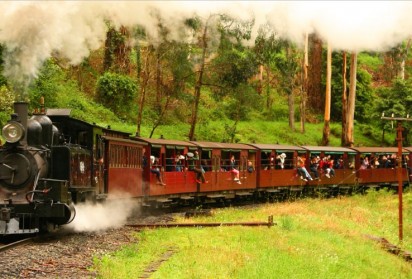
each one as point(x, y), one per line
point(326, 125)
point(205, 32)
point(395, 60)
point(287, 61)
point(117, 50)
point(266, 48)
point(233, 67)
point(163, 71)
point(315, 87)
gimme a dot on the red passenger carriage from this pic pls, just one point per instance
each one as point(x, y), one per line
point(385, 172)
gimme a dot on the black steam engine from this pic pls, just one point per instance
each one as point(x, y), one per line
point(34, 196)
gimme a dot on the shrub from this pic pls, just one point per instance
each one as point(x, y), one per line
point(117, 92)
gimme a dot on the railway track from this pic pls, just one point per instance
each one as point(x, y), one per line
point(21, 242)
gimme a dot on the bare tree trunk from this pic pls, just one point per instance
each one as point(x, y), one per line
point(326, 127)
point(268, 97)
point(108, 58)
point(291, 105)
point(122, 52)
point(158, 83)
point(401, 74)
point(344, 101)
point(161, 115)
point(351, 100)
point(198, 86)
point(304, 86)
point(315, 98)
point(145, 76)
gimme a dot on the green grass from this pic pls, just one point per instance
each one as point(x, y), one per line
point(313, 238)
point(260, 132)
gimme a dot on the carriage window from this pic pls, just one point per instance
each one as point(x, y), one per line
point(175, 159)
point(82, 138)
point(225, 160)
point(206, 161)
point(284, 159)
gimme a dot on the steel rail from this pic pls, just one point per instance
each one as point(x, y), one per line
point(269, 223)
point(15, 244)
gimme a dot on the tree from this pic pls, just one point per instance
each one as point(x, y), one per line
point(144, 76)
point(344, 99)
point(315, 97)
point(266, 48)
point(326, 125)
point(397, 100)
point(349, 133)
point(163, 76)
point(203, 40)
point(117, 50)
point(304, 91)
point(117, 92)
point(287, 62)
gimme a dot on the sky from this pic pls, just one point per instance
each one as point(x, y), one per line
point(35, 30)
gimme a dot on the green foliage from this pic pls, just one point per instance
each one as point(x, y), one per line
point(235, 67)
point(396, 100)
point(6, 104)
point(48, 84)
point(370, 60)
point(3, 80)
point(118, 93)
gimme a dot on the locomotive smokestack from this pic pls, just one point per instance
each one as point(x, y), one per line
point(22, 110)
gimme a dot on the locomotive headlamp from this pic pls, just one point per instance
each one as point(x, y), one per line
point(13, 132)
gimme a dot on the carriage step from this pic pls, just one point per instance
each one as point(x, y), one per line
point(244, 194)
point(186, 198)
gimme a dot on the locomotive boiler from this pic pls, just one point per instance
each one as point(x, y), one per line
point(32, 199)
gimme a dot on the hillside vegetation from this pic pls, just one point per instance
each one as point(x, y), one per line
point(246, 94)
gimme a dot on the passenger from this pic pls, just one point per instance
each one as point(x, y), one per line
point(329, 167)
point(302, 171)
point(193, 161)
point(250, 167)
point(385, 162)
point(314, 165)
point(179, 161)
point(281, 160)
point(234, 170)
point(374, 162)
point(326, 164)
point(393, 160)
point(364, 163)
point(204, 166)
point(154, 168)
point(339, 164)
point(272, 162)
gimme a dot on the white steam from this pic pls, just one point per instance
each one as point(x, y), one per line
point(33, 31)
point(102, 216)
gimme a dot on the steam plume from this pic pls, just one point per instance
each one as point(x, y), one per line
point(99, 217)
point(33, 31)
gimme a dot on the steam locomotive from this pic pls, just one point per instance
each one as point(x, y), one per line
point(51, 161)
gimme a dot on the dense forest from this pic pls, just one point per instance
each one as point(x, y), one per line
point(220, 76)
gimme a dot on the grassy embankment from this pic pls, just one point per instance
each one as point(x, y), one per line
point(314, 238)
point(265, 132)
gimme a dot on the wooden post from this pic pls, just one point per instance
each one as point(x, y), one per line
point(399, 130)
point(400, 182)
